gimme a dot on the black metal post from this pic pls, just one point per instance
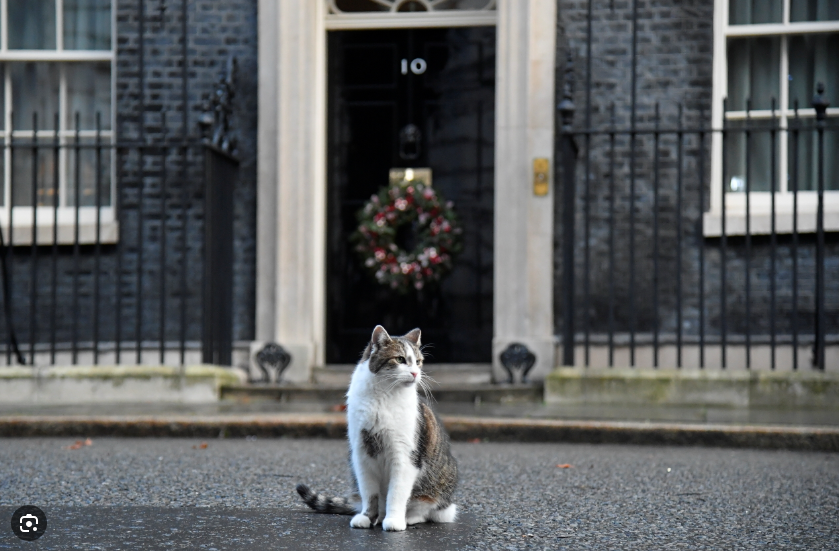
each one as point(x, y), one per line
point(748, 236)
point(612, 240)
point(33, 275)
point(794, 183)
point(8, 266)
point(138, 300)
point(701, 239)
point(723, 241)
point(184, 187)
point(655, 235)
point(632, 144)
point(98, 246)
point(774, 242)
point(162, 260)
point(569, 164)
point(587, 195)
point(820, 104)
point(77, 196)
point(220, 175)
point(680, 161)
point(56, 155)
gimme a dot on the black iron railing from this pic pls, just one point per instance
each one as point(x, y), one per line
point(113, 239)
point(641, 207)
point(118, 273)
point(664, 259)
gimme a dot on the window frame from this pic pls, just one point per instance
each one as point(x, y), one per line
point(760, 202)
point(66, 215)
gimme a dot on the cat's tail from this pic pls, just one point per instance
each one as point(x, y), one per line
point(325, 504)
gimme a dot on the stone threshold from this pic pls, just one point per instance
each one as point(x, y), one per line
point(335, 394)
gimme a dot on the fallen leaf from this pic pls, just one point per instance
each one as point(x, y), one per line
point(339, 407)
point(79, 444)
point(201, 446)
point(474, 440)
point(564, 466)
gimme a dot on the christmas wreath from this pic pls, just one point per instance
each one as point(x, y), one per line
point(434, 225)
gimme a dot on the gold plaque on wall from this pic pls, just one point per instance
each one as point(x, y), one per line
point(540, 177)
point(409, 176)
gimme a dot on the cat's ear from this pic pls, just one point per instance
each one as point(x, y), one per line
point(380, 336)
point(414, 336)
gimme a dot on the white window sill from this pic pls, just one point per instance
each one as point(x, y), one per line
point(760, 222)
point(108, 234)
point(66, 234)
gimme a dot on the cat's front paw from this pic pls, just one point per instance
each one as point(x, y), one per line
point(391, 524)
point(360, 521)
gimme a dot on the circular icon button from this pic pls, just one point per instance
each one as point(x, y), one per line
point(29, 523)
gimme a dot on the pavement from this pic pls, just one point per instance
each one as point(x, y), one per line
point(188, 493)
point(799, 429)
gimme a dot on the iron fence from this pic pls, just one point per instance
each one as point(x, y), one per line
point(126, 272)
point(663, 258)
point(116, 242)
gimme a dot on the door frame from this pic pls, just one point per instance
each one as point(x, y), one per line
point(291, 173)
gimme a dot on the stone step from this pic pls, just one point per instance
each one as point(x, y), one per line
point(334, 394)
point(444, 374)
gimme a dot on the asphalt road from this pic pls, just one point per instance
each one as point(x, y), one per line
point(239, 494)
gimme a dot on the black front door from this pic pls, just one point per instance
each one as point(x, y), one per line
point(442, 81)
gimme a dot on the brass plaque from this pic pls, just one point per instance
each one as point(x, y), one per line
point(408, 176)
point(540, 176)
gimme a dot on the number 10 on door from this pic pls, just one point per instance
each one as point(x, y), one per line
point(417, 66)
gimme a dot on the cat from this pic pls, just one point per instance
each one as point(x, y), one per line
point(401, 463)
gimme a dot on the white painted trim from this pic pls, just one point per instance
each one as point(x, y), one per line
point(780, 29)
point(718, 93)
point(386, 20)
point(22, 235)
point(807, 113)
point(53, 55)
point(523, 222)
point(291, 187)
point(291, 203)
point(760, 222)
point(320, 191)
point(266, 204)
point(23, 215)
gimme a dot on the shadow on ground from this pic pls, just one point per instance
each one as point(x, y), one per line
point(220, 528)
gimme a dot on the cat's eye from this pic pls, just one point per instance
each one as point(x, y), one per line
point(401, 359)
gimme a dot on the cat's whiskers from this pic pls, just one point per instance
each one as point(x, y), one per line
point(426, 376)
point(426, 389)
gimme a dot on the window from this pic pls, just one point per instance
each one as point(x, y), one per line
point(389, 14)
point(769, 56)
point(56, 61)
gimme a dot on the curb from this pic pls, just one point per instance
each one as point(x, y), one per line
point(459, 428)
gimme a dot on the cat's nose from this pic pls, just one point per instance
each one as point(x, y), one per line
point(414, 374)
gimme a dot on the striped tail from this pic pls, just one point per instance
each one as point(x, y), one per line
point(324, 504)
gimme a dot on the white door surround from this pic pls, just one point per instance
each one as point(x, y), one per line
point(291, 174)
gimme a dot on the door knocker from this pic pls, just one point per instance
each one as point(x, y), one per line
point(409, 142)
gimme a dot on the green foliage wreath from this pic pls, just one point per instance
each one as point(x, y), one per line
point(435, 225)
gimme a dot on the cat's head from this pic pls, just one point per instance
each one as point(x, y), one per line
point(396, 359)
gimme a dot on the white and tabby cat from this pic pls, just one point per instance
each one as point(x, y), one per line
point(399, 451)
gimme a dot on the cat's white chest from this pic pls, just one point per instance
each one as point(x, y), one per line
point(391, 416)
